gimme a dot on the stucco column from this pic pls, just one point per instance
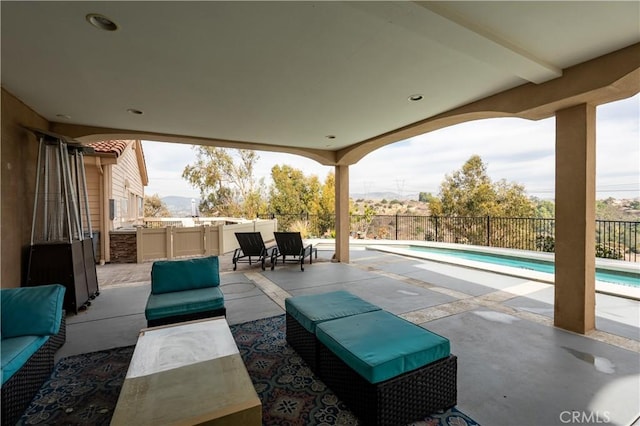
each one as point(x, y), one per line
point(342, 214)
point(574, 308)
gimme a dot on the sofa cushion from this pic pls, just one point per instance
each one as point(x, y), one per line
point(31, 311)
point(379, 345)
point(16, 351)
point(188, 274)
point(183, 302)
point(310, 310)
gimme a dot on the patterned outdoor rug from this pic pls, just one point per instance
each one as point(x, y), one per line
point(84, 389)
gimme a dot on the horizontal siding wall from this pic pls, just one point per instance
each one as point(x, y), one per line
point(127, 186)
point(92, 173)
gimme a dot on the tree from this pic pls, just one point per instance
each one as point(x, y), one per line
point(327, 205)
point(295, 197)
point(544, 209)
point(155, 207)
point(225, 178)
point(426, 197)
point(289, 192)
point(470, 192)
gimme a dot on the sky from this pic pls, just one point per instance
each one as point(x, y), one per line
point(513, 149)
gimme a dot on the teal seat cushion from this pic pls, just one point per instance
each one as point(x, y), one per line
point(188, 274)
point(183, 302)
point(31, 311)
point(16, 351)
point(310, 310)
point(379, 345)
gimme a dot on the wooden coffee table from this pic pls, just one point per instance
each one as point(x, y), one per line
point(187, 374)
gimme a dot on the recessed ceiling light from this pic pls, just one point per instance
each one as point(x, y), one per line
point(64, 116)
point(101, 22)
point(134, 111)
point(416, 97)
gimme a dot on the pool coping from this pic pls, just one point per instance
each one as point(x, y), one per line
point(401, 248)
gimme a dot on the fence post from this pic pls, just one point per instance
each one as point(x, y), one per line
point(488, 231)
point(221, 246)
point(397, 226)
point(169, 241)
point(203, 239)
point(139, 247)
point(436, 228)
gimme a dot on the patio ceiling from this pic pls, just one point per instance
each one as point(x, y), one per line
point(290, 76)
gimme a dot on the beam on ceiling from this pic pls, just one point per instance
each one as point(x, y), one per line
point(87, 134)
point(609, 78)
point(453, 30)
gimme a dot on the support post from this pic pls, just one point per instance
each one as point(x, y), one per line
point(574, 307)
point(342, 214)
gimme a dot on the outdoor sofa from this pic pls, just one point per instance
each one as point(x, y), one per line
point(33, 329)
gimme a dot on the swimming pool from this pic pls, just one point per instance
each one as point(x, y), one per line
point(605, 275)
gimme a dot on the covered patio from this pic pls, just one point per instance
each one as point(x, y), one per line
point(334, 81)
point(514, 366)
point(331, 81)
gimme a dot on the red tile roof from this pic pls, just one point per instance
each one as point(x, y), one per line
point(116, 147)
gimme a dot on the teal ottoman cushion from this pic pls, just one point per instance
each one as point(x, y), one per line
point(379, 345)
point(16, 351)
point(183, 302)
point(310, 310)
point(31, 311)
point(188, 274)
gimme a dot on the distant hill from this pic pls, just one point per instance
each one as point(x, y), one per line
point(383, 196)
point(179, 206)
point(609, 209)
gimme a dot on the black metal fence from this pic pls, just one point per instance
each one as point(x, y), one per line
point(613, 239)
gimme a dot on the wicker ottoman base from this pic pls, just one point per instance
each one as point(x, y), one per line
point(20, 389)
point(397, 401)
point(303, 342)
point(187, 317)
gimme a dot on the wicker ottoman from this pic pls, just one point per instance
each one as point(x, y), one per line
point(388, 371)
point(304, 313)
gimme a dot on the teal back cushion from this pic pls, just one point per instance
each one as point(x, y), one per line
point(177, 275)
point(31, 311)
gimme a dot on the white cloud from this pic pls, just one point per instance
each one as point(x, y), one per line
point(165, 163)
point(517, 150)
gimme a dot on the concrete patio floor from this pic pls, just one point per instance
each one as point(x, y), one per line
point(514, 367)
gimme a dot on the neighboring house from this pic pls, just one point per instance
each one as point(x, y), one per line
point(116, 176)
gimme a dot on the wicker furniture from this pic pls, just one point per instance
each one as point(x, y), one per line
point(397, 401)
point(41, 309)
point(304, 313)
point(186, 374)
point(387, 370)
point(184, 290)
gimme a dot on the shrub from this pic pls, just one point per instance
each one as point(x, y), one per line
point(301, 226)
point(606, 251)
point(545, 243)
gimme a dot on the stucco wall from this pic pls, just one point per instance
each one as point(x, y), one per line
point(18, 153)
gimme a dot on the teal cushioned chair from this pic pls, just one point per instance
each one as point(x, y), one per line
point(184, 290)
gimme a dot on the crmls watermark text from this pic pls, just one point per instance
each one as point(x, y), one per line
point(581, 417)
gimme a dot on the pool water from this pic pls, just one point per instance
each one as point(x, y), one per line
point(611, 276)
